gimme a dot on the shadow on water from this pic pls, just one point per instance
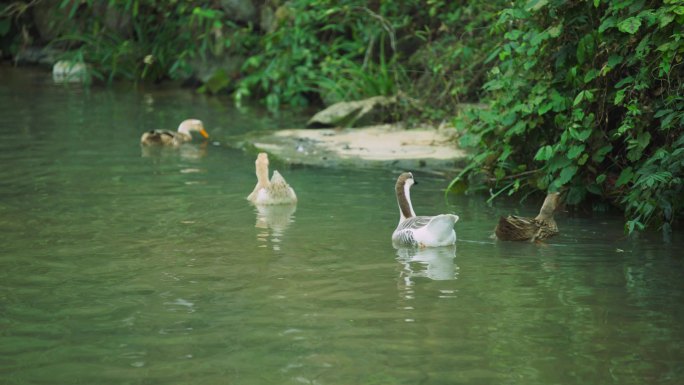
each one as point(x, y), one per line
point(185, 152)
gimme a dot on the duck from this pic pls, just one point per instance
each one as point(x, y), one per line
point(539, 228)
point(174, 138)
point(420, 231)
point(270, 192)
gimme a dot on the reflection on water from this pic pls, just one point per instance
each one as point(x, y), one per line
point(186, 151)
point(431, 262)
point(273, 220)
point(117, 268)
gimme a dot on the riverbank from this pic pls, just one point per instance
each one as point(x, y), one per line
point(390, 145)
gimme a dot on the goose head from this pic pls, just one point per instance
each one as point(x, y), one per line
point(189, 125)
point(403, 190)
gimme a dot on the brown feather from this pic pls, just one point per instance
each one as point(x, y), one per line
point(515, 228)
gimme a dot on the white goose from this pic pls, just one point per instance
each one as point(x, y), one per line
point(174, 138)
point(273, 192)
point(421, 231)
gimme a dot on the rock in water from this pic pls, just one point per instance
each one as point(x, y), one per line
point(65, 71)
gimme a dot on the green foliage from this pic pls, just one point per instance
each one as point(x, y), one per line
point(346, 50)
point(142, 39)
point(454, 54)
point(588, 98)
point(340, 50)
point(311, 50)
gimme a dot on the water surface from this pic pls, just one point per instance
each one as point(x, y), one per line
point(124, 267)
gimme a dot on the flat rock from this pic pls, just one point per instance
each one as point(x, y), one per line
point(377, 146)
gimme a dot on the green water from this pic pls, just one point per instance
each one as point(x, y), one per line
point(118, 267)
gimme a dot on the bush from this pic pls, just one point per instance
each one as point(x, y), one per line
point(137, 40)
point(347, 50)
point(336, 50)
point(586, 97)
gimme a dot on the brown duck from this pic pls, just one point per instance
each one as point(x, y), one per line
point(539, 228)
point(174, 138)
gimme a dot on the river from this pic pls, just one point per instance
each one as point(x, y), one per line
point(119, 266)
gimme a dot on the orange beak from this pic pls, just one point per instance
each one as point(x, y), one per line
point(203, 132)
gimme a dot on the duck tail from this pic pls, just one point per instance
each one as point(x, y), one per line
point(149, 137)
point(277, 178)
point(503, 228)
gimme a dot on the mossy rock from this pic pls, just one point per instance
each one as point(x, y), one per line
point(354, 113)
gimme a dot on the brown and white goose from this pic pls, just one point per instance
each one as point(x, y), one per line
point(270, 192)
point(174, 138)
point(421, 231)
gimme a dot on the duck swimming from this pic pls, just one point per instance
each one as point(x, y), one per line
point(273, 192)
point(539, 228)
point(421, 231)
point(174, 138)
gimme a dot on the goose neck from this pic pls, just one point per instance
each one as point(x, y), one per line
point(404, 200)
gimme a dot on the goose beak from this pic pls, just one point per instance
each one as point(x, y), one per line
point(204, 133)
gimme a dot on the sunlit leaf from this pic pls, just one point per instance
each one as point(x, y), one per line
point(544, 153)
point(665, 19)
point(544, 108)
point(535, 5)
point(625, 176)
point(585, 48)
point(601, 178)
point(582, 135)
point(629, 25)
point(575, 151)
point(627, 80)
point(556, 30)
point(643, 139)
point(609, 22)
point(590, 75)
point(566, 175)
point(601, 153)
point(614, 60)
point(583, 159)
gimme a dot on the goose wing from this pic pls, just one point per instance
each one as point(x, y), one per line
point(414, 223)
point(441, 224)
point(435, 223)
point(403, 235)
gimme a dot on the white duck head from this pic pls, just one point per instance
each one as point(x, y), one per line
point(189, 125)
